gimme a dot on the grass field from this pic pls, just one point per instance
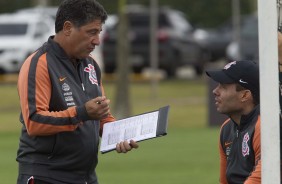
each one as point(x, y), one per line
point(188, 154)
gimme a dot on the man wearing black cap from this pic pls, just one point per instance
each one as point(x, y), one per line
point(237, 95)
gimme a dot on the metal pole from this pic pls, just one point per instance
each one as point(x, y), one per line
point(269, 92)
point(154, 51)
point(236, 19)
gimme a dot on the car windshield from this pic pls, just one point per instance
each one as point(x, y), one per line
point(13, 29)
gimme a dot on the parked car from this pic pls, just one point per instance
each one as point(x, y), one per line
point(248, 48)
point(215, 40)
point(44, 10)
point(52, 10)
point(20, 35)
point(177, 46)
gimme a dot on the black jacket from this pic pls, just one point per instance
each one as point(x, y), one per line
point(58, 141)
point(240, 150)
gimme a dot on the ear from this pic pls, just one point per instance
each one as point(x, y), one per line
point(246, 95)
point(67, 28)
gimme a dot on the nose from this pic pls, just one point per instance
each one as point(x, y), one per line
point(95, 40)
point(215, 90)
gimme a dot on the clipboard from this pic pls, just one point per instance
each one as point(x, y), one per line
point(138, 128)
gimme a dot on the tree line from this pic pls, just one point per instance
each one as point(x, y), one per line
point(201, 13)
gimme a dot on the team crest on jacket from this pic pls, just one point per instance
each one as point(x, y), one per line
point(92, 74)
point(245, 146)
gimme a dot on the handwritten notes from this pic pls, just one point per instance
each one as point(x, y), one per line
point(135, 128)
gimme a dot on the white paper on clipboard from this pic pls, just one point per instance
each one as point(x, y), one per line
point(141, 127)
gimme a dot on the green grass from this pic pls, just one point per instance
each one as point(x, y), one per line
point(188, 154)
point(183, 156)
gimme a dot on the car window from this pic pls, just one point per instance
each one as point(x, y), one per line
point(163, 21)
point(143, 20)
point(13, 29)
point(179, 21)
point(138, 20)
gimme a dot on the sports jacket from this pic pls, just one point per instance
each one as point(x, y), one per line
point(239, 148)
point(58, 140)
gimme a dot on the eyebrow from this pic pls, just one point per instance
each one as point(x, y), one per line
point(91, 30)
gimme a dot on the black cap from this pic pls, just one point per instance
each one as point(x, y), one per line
point(245, 73)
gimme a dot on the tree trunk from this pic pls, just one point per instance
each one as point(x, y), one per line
point(122, 107)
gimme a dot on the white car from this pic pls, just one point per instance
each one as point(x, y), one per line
point(97, 52)
point(20, 35)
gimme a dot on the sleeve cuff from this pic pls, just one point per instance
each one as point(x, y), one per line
point(82, 113)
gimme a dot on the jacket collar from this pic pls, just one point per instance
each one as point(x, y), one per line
point(248, 118)
point(245, 119)
point(59, 51)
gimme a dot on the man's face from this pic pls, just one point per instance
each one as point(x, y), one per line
point(83, 40)
point(227, 99)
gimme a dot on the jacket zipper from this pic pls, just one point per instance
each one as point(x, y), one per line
point(76, 66)
point(82, 85)
point(83, 88)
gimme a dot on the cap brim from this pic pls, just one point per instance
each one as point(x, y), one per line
point(220, 76)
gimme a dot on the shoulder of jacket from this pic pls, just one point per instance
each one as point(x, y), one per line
point(226, 122)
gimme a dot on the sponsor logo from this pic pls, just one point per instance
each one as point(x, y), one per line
point(68, 98)
point(226, 67)
point(70, 104)
point(92, 74)
point(61, 79)
point(226, 144)
point(243, 81)
point(68, 94)
point(227, 151)
point(65, 87)
point(245, 146)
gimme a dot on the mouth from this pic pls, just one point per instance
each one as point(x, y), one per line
point(216, 101)
point(90, 49)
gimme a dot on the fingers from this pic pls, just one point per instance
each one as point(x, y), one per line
point(124, 147)
point(134, 144)
point(104, 107)
point(99, 99)
point(120, 148)
point(98, 108)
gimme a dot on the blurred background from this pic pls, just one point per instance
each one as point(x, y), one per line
point(152, 53)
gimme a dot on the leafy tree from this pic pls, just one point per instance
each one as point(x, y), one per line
point(203, 13)
point(12, 5)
